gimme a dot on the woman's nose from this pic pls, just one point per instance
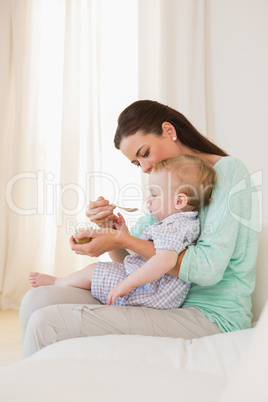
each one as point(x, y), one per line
point(146, 166)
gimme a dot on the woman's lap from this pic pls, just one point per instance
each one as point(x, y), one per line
point(45, 296)
point(51, 314)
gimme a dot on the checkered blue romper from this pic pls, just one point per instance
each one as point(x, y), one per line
point(174, 233)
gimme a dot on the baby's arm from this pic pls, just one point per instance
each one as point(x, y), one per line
point(120, 224)
point(158, 265)
point(119, 254)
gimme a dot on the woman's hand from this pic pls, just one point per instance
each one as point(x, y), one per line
point(103, 240)
point(101, 212)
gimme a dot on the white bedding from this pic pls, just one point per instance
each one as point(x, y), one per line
point(217, 354)
point(229, 367)
point(126, 367)
point(82, 380)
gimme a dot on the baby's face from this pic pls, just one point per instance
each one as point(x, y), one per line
point(161, 201)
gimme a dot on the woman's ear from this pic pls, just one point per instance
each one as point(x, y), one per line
point(169, 130)
point(181, 201)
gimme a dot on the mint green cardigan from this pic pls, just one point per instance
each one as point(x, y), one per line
point(221, 266)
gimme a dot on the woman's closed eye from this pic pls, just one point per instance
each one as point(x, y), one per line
point(146, 154)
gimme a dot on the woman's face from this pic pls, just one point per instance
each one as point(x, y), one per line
point(149, 149)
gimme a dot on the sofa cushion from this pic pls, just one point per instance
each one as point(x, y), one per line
point(250, 380)
point(84, 380)
point(216, 354)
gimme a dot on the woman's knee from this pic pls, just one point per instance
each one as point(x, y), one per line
point(33, 300)
point(49, 325)
point(38, 332)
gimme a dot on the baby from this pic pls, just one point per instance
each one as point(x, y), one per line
point(178, 188)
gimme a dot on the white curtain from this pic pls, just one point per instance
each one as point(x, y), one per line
point(172, 53)
point(68, 68)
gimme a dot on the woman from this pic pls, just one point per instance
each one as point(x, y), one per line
point(220, 267)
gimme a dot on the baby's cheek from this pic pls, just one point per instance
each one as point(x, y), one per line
point(158, 205)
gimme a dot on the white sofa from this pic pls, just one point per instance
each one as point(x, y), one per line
point(224, 368)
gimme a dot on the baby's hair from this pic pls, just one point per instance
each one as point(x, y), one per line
point(192, 177)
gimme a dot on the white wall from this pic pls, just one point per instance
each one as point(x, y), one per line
point(237, 85)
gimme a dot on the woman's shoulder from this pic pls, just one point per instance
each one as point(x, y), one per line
point(231, 166)
point(227, 161)
point(231, 175)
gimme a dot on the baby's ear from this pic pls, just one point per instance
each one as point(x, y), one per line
point(181, 201)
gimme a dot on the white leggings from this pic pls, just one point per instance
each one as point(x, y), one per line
point(50, 314)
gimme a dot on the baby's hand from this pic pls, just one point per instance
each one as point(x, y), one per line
point(120, 223)
point(119, 290)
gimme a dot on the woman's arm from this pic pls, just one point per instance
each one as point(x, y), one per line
point(227, 227)
point(112, 237)
point(110, 240)
point(118, 255)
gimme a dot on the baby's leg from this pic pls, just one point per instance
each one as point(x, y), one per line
point(79, 279)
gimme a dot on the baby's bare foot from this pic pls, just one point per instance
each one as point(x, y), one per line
point(37, 279)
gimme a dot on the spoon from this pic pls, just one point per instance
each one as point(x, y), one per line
point(125, 209)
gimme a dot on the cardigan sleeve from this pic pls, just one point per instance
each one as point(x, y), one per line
point(224, 226)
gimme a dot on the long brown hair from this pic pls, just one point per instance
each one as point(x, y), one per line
point(147, 116)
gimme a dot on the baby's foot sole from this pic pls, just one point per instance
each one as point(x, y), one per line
point(36, 279)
